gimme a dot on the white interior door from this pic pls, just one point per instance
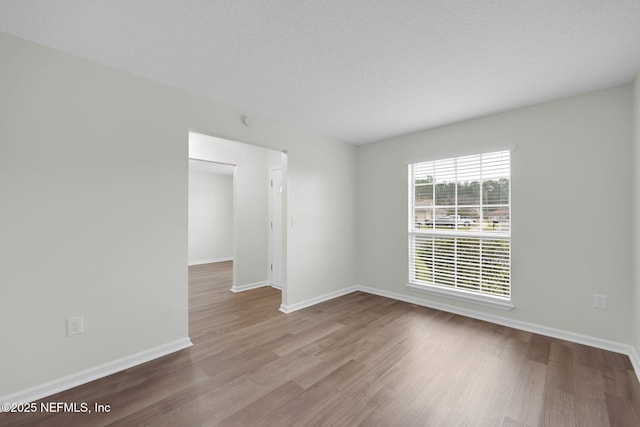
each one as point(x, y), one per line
point(276, 228)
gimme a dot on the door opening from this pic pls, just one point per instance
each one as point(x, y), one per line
point(259, 209)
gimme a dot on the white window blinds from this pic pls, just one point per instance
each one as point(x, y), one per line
point(460, 224)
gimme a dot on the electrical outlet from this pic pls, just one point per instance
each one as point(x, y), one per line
point(74, 326)
point(599, 301)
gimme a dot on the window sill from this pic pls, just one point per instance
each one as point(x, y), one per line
point(461, 295)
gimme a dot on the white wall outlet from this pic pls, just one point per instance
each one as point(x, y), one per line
point(599, 301)
point(75, 326)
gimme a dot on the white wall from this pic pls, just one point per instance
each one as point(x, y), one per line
point(571, 196)
point(321, 245)
point(635, 291)
point(210, 214)
point(251, 203)
point(94, 190)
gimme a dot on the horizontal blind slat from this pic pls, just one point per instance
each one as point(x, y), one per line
point(477, 258)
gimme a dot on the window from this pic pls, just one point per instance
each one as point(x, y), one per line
point(460, 225)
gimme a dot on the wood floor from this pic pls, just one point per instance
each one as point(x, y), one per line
point(356, 360)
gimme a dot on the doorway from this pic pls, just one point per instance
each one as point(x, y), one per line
point(258, 208)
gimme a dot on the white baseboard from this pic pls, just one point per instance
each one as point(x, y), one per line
point(249, 286)
point(276, 287)
point(65, 383)
point(210, 261)
point(600, 343)
point(511, 323)
point(635, 361)
point(317, 300)
point(47, 389)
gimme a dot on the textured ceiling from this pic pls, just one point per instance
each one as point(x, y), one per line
point(355, 70)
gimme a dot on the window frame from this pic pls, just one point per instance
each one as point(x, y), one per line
point(454, 291)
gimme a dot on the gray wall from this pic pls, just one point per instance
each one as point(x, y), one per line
point(635, 291)
point(571, 206)
point(93, 181)
point(210, 213)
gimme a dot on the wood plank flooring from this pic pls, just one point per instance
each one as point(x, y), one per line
point(356, 360)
